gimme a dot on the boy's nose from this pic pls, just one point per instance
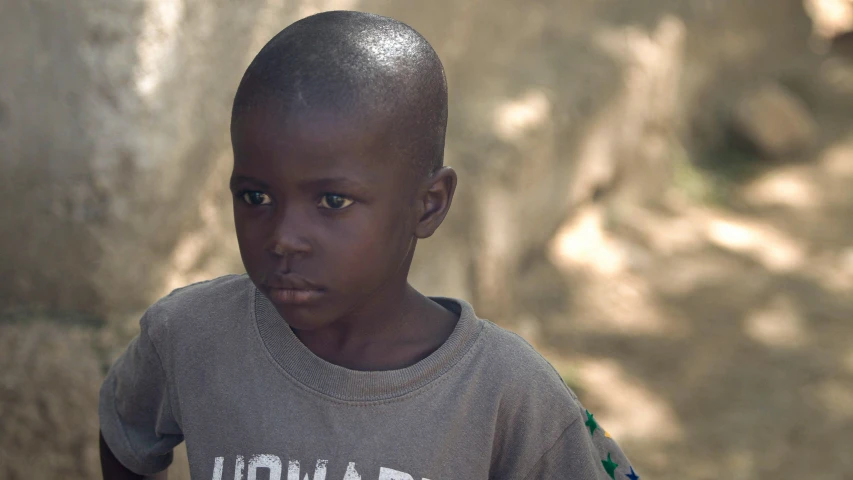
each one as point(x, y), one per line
point(289, 244)
point(283, 249)
point(288, 238)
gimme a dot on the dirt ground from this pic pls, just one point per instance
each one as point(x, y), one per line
point(715, 341)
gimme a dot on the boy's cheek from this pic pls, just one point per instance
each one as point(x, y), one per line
point(358, 260)
point(247, 244)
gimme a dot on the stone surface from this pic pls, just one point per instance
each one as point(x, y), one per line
point(49, 382)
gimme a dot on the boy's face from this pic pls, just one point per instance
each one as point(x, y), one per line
point(326, 215)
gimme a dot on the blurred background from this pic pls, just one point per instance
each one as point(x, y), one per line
point(658, 194)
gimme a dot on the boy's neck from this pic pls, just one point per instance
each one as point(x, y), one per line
point(413, 330)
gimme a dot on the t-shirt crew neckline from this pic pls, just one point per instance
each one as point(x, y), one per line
point(348, 385)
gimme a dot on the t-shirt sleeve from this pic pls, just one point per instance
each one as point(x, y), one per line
point(585, 450)
point(136, 415)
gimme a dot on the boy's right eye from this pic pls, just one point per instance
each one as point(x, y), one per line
point(256, 198)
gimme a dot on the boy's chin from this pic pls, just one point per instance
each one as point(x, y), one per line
point(305, 317)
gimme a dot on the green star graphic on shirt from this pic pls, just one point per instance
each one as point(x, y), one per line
point(610, 466)
point(590, 422)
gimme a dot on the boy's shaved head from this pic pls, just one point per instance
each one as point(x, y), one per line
point(365, 67)
point(338, 137)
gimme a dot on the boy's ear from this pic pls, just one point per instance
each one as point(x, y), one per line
point(436, 197)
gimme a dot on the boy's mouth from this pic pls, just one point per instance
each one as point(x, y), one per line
point(292, 289)
point(294, 296)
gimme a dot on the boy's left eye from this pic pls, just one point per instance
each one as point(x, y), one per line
point(256, 198)
point(334, 202)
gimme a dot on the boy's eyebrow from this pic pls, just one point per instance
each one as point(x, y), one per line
point(241, 178)
point(332, 181)
point(308, 184)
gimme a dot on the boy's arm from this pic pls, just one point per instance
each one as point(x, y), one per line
point(137, 422)
point(545, 433)
point(581, 454)
point(112, 469)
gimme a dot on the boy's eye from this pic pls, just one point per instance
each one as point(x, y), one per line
point(256, 198)
point(334, 202)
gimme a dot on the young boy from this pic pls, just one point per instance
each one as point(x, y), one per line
point(322, 362)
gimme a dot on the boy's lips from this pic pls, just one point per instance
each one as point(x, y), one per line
point(291, 289)
point(292, 296)
point(291, 281)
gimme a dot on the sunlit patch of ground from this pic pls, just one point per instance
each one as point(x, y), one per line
point(636, 412)
point(777, 323)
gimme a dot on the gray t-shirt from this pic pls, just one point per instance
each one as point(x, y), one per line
point(215, 365)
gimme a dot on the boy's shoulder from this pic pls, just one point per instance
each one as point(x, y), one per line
point(199, 304)
point(520, 371)
point(207, 294)
point(516, 357)
point(530, 394)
